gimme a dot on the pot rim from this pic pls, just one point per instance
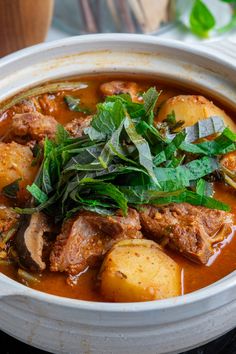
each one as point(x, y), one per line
point(201, 51)
point(215, 289)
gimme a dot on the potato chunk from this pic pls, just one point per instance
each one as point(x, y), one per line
point(191, 109)
point(15, 162)
point(139, 270)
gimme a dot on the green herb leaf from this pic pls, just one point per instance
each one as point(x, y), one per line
point(37, 153)
point(108, 117)
point(173, 125)
point(185, 173)
point(11, 190)
point(145, 157)
point(94, 135)
point(171, 119)
point(102, 189)
point(204, 188)
point(81, 156)
point(147, 193)
point(223, 144)
point(135, 110)
point(150, 99)
point(61, 134)
point(201, 19)
point(204, 128)
point(93, 208)
point(74, 105)
point(49, 145)
point(113, 165)
point(194, 199)
point(150, 133)
point(168, 152)
point(111, 147)
point(37, 193)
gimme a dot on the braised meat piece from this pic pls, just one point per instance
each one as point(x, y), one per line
point(191, 230)
point(26, 106)
point(33, 126)
point(76, 127)
point(85, 238)
point(117, 87)
point(8, 218)
point(47, 103)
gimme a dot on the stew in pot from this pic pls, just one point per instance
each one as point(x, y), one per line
point(116, 188)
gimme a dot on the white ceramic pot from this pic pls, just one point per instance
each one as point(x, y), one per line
point(63, 325)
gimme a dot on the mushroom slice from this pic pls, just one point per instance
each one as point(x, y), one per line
point(30, 241)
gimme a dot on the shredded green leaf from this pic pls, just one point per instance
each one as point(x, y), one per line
point(172, 122)
point(74, 105)
point(61, 134)
point(204, 188)
point(125, 159)
point(145, 157)
point(150, 99)
point(37, 193)
point(204, 128)
point(11, 190)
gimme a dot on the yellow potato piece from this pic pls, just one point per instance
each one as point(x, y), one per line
point(15, 162)
point(191, 109)
point(139, 270)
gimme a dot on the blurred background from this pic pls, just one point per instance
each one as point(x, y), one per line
point(27, 22)
point(189, 20)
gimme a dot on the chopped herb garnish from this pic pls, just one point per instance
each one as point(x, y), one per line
point(124, 158)
point(204, 188)
point(39, 195)
point(150, 99)
point(11, 190)
point(37, 153)
point(173, 124)
point(74, 105)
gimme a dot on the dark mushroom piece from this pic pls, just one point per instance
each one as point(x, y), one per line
point(30, 241)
